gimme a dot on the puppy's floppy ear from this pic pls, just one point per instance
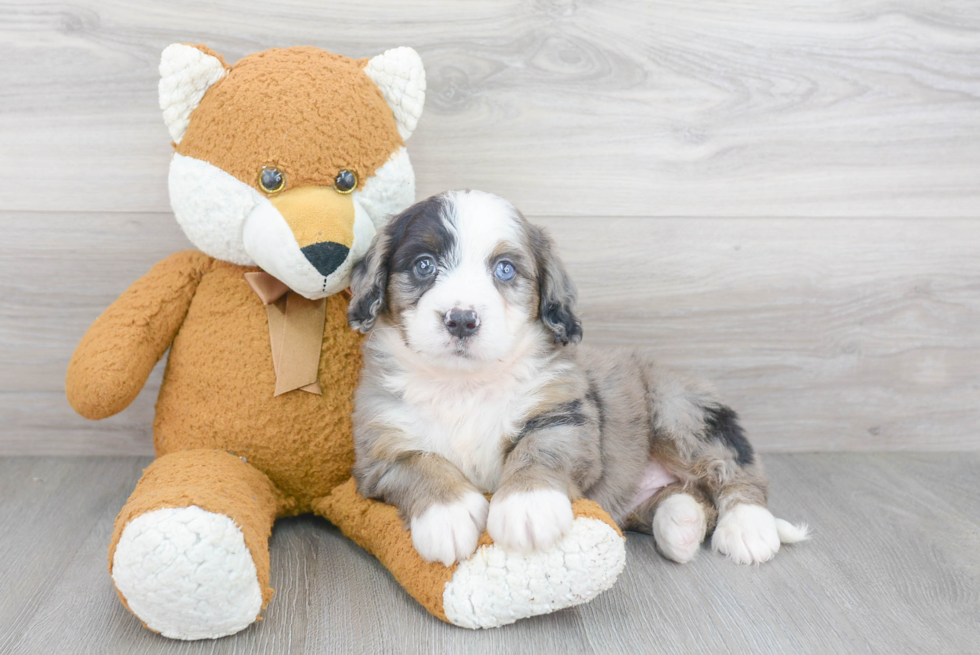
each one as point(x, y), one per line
point(369, 280)
point(558, 294)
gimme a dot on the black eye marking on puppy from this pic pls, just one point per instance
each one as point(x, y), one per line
point(427, 232)
point(426, 246)
point(395, 249)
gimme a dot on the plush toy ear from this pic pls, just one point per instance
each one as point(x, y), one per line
point(186, 73)
point(401, 77)
point(557, 291)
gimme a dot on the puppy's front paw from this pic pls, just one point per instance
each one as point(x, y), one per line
point(529, 520)
point(747, 534)
point(449, 532)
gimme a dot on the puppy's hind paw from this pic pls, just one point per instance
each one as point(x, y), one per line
point(747, 534)
point(679, 524)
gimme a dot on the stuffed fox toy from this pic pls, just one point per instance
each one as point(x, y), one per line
point(285, 165)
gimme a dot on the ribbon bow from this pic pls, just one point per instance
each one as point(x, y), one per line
point(295, 330)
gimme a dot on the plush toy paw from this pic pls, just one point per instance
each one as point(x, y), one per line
point(498, 586)
point(530, 520)
point(449, 532)
point(187, 574)
point(679, 525)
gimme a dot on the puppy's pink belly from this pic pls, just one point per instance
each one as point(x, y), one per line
point(655, 477)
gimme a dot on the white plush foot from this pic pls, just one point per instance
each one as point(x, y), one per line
point(498, 586)
point(529, 520)
point(747, 534)
point(449, 532)
point(679, 525)
point(187, 573)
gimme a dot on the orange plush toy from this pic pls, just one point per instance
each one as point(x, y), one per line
point(285, 164)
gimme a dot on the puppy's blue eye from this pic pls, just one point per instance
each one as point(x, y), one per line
point(504, 271)
point(425, 266)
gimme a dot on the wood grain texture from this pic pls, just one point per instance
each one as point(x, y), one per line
point(52, 512)
point(779, 196)
point(892, 568)
point(668, 108)
point(826, 334)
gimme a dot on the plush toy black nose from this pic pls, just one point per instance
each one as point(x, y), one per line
point(326, 256)
point(462, 323)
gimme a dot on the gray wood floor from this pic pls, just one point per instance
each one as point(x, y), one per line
point(894, 567)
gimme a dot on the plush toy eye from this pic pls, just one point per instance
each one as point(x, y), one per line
point(345, 182)
point(425, 266)
point(504, 271)
point(271, 179)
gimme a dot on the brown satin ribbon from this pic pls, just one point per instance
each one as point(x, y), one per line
point(295, 330)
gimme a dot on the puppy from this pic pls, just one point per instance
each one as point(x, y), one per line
point(472, 385)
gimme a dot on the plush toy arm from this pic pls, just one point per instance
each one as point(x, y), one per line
point(116, 355)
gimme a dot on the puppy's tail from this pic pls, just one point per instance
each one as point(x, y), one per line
point(790, 534)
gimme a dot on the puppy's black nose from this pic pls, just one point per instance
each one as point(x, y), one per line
point(461, 323)
point(326, 256)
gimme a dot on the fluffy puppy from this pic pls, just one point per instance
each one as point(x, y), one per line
point(472, 385)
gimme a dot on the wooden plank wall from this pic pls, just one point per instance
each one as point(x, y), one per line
point(781, 195)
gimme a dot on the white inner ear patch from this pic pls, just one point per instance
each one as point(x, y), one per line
point(186, 73)
point(400, 75)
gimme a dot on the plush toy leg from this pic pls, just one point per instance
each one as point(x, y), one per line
point(190, 554)
point(494, 587)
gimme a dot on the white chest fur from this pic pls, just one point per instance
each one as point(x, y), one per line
point(469, 422)
point(469, 427)
point(468, 418)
